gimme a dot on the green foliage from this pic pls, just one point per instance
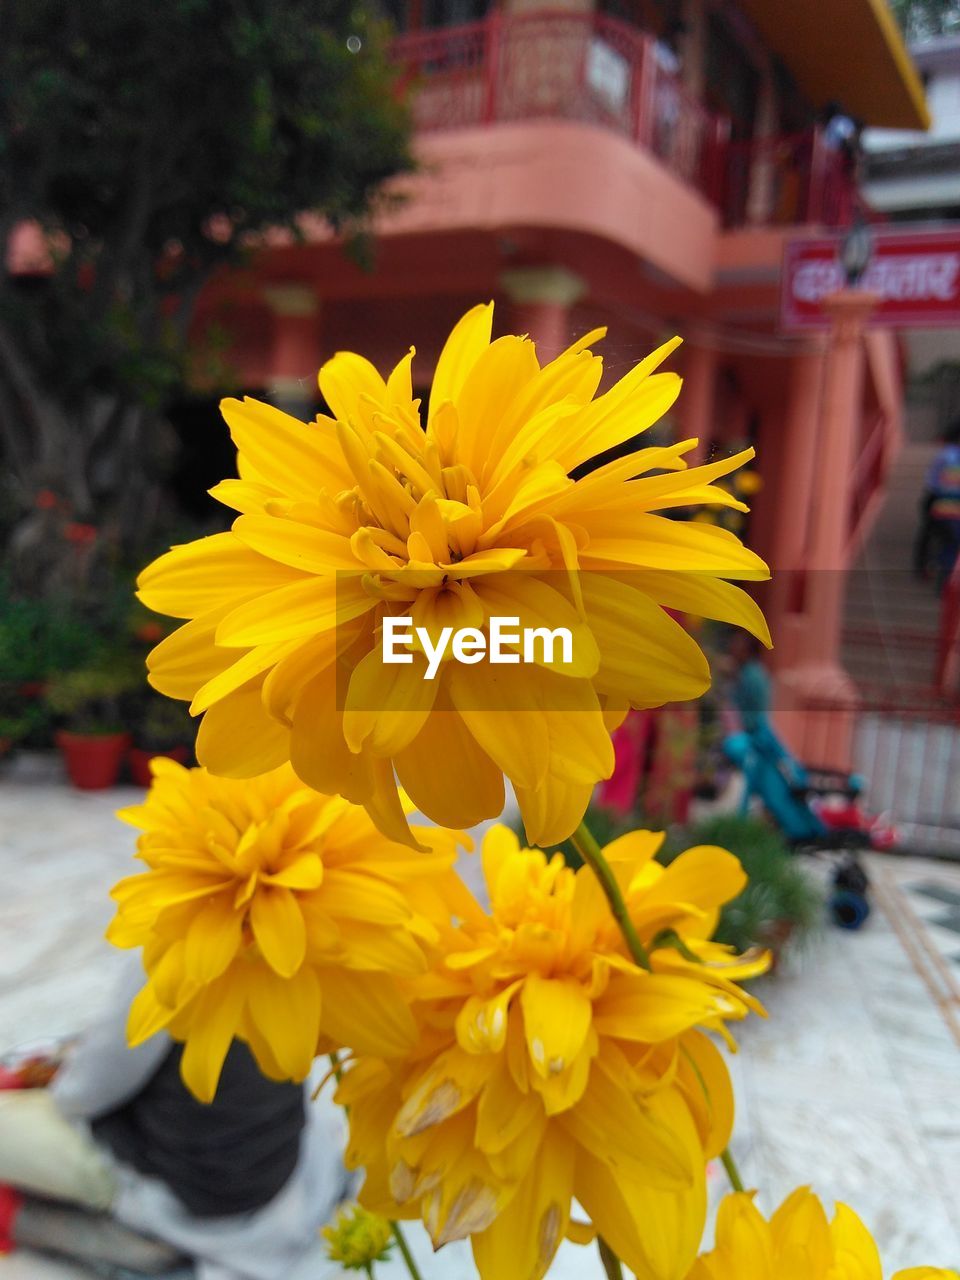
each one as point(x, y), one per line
point(151, 140)
point(152, 144)
point(163, 723)
point(39, 638)
point(91, 699)
point(779, 892)
point(923, 19)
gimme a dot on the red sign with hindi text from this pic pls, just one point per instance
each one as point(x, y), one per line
point(916, 276)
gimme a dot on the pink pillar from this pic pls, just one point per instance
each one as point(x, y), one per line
point(792, 491)
point(541, 298)
point(696, 406)
point(295, 348)
point(820, 697)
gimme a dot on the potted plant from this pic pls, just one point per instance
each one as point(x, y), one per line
point(164, 729)
point(93, 739)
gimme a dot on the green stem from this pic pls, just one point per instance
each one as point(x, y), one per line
point(611, 1263)
point(405, 1252)
point(733, 1173)
point(589, 851)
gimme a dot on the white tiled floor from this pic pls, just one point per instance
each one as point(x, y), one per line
point(852, 1085)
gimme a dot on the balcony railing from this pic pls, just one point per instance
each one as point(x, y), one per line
point(567, 66)
point(591, 68)
point(788, 180)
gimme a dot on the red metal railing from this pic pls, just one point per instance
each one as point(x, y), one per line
point(561, 65)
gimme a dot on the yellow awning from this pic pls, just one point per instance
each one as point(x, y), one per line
point(850, 51)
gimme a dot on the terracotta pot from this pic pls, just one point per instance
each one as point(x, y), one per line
point(139, 761)
point(93, 760)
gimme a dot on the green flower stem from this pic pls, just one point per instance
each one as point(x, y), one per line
point(611, 1263)
point(733, 1173)
point(405, 1251)
point(589, 851)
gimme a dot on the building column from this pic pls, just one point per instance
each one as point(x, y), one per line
point(792, 490)
point(820, 698)
point(540, 302)
point(697, 403)
point(295, 348)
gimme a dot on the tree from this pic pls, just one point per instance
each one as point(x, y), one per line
point(150, 143)
point(922, 19)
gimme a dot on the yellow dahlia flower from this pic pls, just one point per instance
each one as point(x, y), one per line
point(798, 1243)
point(274, 914)
point(550, 1065)
point(358, 1239)
point(483, 511)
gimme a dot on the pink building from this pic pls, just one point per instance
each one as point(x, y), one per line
point(637, 165)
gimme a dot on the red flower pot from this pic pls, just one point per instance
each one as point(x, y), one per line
point(93, 760)
point(139, 761)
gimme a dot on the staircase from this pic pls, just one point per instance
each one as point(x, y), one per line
point(892, 620)
point(908, 736)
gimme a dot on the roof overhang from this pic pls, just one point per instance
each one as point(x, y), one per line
point(850, 51)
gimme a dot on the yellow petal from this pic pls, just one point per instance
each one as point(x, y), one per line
point(204, 575)
point(481, 1024)
point(655, 1232)
point(344, 380)
point(186, 660)
point(653, 1008)
point(387, 705)
point(494, 703)
point(523, 1240)
point(252, 664)
point(213, 938)
point(237, 739)
point(854, 1246)
point(295, 458)
point(552, 811)
point(704, 597)
point(539, 607)
point(448, 775)
point(301, 546)
point(215, 1017)
point(367, 1012)
point(556, 1018)
point(468, 339)
point(647, 658)
point(278, 928)
point(297, 610)
point(147, 1016)
point(287, 1012)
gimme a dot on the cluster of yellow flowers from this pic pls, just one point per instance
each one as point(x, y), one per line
point(499, 1063)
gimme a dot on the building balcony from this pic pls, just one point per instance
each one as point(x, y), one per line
point(587, 68)
point(581, 67)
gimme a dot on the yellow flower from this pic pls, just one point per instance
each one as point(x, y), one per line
point(798, 1243)
point(358, 1239)
point(274, 914)
point(550, 1065)
point(483, 511)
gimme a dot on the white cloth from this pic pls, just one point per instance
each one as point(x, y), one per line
point(101, 1073)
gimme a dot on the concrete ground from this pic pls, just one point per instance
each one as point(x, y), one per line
point(850, 1086)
